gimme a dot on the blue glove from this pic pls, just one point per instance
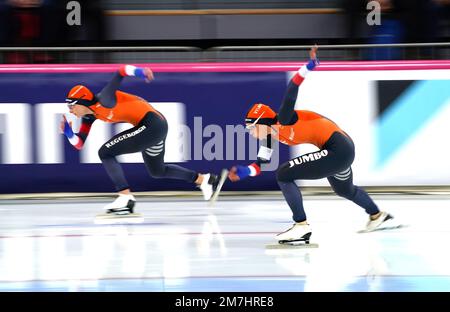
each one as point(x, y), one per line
point(312, 64)
point(242, 172)
point(68, 132)
point(139, 72)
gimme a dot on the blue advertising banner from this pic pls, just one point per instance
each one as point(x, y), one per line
point(205, 111)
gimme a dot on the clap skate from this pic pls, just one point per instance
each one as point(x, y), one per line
point(384, 222)
point(212, 184)
point(298, 236)
point(120, 211)
point(217, 186)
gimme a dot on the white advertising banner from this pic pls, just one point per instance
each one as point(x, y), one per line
point(399, 121)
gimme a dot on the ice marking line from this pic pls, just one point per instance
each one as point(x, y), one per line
point(129, 234)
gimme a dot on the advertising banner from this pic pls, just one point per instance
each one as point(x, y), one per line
point(397, 120)
point(397, 113)
point(205, 112)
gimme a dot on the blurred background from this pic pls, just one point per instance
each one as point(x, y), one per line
point(211, 30)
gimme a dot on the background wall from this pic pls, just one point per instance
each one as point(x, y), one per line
point(242, 26)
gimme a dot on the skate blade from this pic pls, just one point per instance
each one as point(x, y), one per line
point(292, 245)
point(384, 228)
point(223, 177)
point(109, 218)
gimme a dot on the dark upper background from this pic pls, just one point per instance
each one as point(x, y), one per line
point(209, 23)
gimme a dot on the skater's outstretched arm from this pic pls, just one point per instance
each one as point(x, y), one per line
point(286, 114)
point(107, 97)
point(77, 139)
point(237, 173)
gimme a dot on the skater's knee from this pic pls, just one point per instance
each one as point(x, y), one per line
point(283, 175)
point(104, 153)
point(158, 172)
point(346, 192)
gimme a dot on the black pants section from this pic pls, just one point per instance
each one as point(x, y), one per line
point(149, 138)
point(332, 162)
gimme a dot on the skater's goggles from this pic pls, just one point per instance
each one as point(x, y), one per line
point(250, 123)
point(70, 102)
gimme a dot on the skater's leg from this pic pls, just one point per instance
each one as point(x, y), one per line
point(301, 230)
point(311, 166)
point(286, 176)
point(154, 162)
point(133, 140)
point(316, 165)
point(294, 199)
point(342, 184)
point(129, 141)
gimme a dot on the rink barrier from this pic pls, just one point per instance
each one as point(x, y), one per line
point(443, 190)
point(229, 67)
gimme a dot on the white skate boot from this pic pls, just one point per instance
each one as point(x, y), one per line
point(212, 184)
point(297, 233)
point(123, 204)
point(378, 223)
point(120, 211)
point(207, 185)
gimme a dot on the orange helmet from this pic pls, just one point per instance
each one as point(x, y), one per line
point(80, 95)
point(261, 114)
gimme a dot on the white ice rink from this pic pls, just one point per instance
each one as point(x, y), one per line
point(185, 245)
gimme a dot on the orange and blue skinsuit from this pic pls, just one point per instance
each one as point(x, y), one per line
point(148, 134)
point(336, 150)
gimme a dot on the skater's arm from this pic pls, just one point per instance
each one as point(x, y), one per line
point(107, 97)
point(264, 154)
point(77, 139)
point(265, 151)
point(286, 114)
point(85, 128)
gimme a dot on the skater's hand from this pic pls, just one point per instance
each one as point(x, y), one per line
point(313, 61)
point(313, 52)
point(232, 175)
point(141, 72)
point(148, 75)
point(66, 127)
point(238, 173)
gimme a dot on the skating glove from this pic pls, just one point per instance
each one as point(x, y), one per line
point(242, 172)
point(130, 70)
point(312, 64)
point(245, 171)
point(68, 130)
point(72, 137)
point(305, 69)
